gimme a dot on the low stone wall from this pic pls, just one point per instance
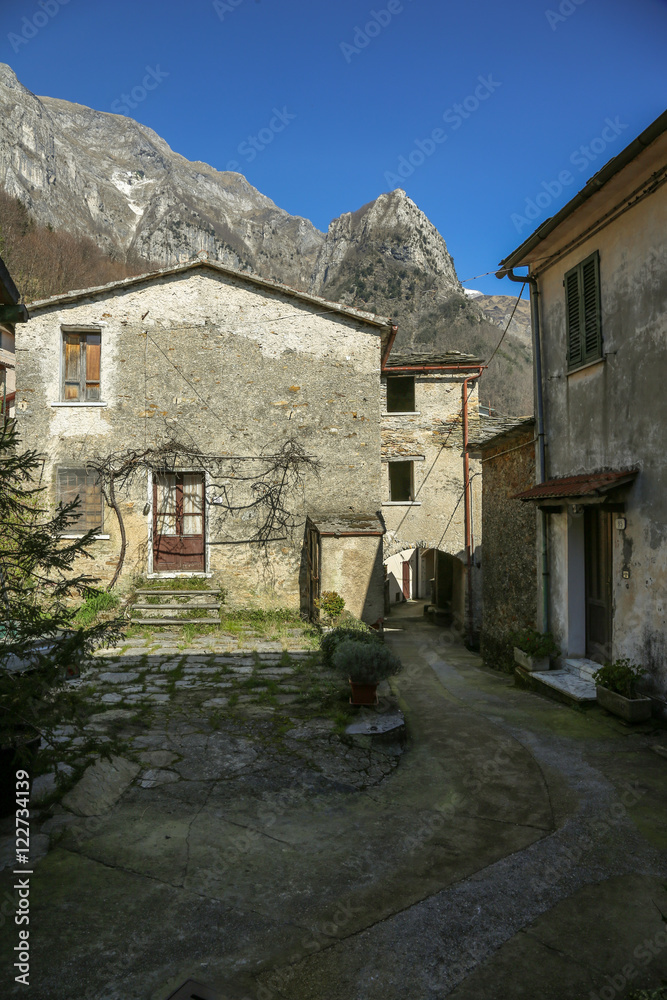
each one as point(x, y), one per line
point(509, 529)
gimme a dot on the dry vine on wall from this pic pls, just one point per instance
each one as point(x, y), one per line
point(259, 486)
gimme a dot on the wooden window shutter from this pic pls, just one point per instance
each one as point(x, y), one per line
point(590, 282)
point(582, 310)
point(72, 367)
point(81, 366)
point(574, 353)
point(93, 366)
point(73, 483)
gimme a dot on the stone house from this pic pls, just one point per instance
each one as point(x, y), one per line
point(11, 312)
point(598, 277)
point(509, 600)
point(432, 492)
point(215, 423)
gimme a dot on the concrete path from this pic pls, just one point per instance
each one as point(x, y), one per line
point(517, 850)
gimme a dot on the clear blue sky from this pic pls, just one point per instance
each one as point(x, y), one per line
point(554, 73)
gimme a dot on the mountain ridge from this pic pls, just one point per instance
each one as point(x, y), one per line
point(110, 178)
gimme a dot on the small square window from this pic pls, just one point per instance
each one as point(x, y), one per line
point(401, 486)
point(73, 483)
point(400, 394)
point(81, 366)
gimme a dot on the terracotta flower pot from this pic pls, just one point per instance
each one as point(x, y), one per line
point(363, 694)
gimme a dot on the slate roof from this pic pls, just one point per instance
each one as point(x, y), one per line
point(585, 485)
point(445, 358)
point(491, 428)
point(9, 295)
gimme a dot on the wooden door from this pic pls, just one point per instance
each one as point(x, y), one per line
point(313, 555)
point(406, 581)
point(598, 549)
point(178, 522)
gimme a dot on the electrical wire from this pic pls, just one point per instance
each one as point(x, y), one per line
point(508, 325)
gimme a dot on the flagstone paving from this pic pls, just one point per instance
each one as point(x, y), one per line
point(511, 848)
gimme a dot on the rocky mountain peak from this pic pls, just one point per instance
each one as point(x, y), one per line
point(392, 227)
point(116, 181)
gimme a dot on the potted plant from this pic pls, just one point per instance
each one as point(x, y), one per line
point(365, 664)
point(533, 650)
point(353, 629)
point(616, 689)
point(41, 644)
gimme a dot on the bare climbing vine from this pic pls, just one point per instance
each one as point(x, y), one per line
point(257, 488)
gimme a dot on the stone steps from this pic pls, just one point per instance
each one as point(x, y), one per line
point(170, 622)
point(175, 607)
point(572, 685)
point(582, 667)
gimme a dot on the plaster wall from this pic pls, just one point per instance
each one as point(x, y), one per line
point(394, 571)
point(216, 364)
point(353, 568)
point(433, 436)
point(8, 359)
point(612, 415)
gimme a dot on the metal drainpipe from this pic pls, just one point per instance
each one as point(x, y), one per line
point(531, 280)
point(466, 498)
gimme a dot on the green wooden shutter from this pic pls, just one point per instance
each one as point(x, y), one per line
point(572, 306)
point(590, 281)
point(582, 308)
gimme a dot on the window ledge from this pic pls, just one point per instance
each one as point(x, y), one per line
point(401, 503)
point(588, 364)
point(81, 534)
point(401, 413)
point(77, 403)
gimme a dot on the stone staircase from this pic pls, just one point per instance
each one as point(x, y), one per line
point(166, 608)
point(573, 684)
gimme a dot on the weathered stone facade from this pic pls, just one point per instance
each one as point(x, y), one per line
point(234, 367)
point(427, 532)
point(509, 598)
point(606, 412)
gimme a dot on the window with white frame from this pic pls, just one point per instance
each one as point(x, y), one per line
point(81, 350)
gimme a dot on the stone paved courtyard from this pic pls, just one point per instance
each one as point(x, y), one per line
point(510, 848)
point(212, 707)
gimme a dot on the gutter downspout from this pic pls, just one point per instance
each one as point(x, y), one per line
point(387, 350)
point(532, 282)
point(467, 498)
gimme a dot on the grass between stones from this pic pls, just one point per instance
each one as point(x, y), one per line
point(173, 673)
